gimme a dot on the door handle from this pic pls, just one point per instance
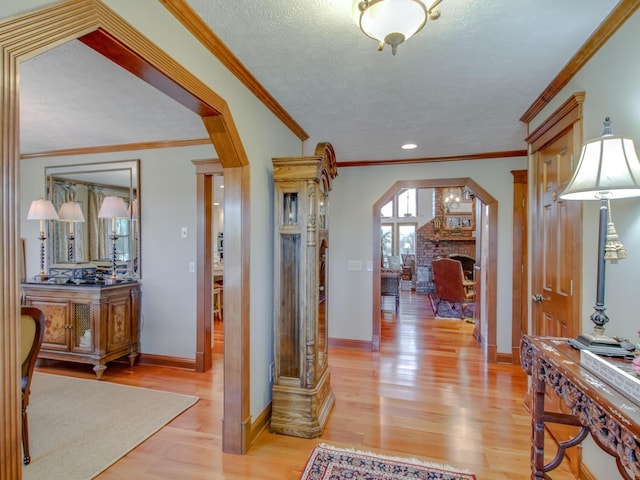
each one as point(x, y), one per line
point(537, 298)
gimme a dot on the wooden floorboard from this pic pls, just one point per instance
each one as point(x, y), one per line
point(428, 393)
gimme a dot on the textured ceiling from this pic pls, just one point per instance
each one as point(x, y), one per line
point(458, 87)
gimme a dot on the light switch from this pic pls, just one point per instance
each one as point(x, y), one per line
point(183, 232)
point(354, 265)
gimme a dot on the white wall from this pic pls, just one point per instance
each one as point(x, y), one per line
point(168, 293)
point(355, 191)
point(611, 82)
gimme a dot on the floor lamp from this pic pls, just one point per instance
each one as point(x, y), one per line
point(608, 169)
point(113, 207)
point(42, 210)
point(71, 213)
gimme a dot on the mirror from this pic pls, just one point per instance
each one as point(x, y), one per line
point(91, 241)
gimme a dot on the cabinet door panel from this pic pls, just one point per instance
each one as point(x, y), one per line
point(119, 324)
point(56, 324)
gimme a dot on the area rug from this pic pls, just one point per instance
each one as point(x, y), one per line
point(78, 428)
point(331, 463)
point(446, 309)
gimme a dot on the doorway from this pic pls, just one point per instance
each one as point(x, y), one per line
point(486, 328)
point(131, 51)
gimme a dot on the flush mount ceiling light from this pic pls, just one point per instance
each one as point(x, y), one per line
point(394, 21)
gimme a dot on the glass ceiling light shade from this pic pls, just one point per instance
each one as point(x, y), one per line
point(608, 168)
point(394, 21)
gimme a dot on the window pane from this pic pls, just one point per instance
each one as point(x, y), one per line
point(407, 203)
point(387, 210)
point(386, 244)
point(407, 238)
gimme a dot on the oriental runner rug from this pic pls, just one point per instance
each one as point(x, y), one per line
point(331, 463)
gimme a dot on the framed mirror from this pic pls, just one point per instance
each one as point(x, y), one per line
point(90, 240)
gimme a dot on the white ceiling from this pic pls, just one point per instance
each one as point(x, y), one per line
point(458, 87)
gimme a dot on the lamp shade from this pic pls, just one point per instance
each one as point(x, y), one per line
point(392, 21)
point(42, 209)
point(70, 212)
point(113, 207)
point(608, 168)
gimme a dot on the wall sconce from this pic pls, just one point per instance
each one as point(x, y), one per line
point(113, 207)
point(608, 169)
point(71, 213)
point(42, 210)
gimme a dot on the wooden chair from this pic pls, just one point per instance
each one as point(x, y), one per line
point(451, 284)
point(31, 334)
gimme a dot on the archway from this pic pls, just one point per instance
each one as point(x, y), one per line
point(488, 335)
point(90, 21)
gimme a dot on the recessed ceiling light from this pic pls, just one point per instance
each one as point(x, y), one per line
point(409, 146)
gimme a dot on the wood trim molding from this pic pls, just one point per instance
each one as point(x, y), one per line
point(351, 344)
point(504, 358)
point(565, 115)
point(117, 148)
point(489, 332)
point(449, 158)
point(29, 34)
point(261, 422)
point(519, 315)
point(166, 361)
point(607, 28)
point(199, 29)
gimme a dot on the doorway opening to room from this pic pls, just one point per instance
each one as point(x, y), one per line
point(416, 221)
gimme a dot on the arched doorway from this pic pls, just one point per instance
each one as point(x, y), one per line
point(104, 31)
point(487, 328)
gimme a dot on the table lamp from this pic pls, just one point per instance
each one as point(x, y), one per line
point(113, 207)
point(608, 169)
point(71, 213)
point(42, 210)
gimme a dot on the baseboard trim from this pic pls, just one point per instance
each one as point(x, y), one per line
point(166, 361)
point(260, 423)
point(585, 473)
point(504, 358)
point(348, 343)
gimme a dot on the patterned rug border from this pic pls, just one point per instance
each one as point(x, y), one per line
point(413, 461)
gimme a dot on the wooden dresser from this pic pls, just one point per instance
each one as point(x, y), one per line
point(87, 323)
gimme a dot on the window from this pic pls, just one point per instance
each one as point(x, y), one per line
point(386, 243)
point(387, 210)
point(407, 206)
point(406, 238)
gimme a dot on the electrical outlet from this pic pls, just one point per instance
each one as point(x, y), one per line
point(271, 372)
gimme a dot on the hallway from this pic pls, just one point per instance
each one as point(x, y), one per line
point(428, 393)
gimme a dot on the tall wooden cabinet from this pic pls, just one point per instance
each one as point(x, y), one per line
point(302, 396)
point(87, 323)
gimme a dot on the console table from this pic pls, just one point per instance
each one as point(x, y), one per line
point(87, 323)
point(612, 419)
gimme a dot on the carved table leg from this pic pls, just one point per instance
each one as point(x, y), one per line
point(99, 369)
point(132, 358)
point(537, 424)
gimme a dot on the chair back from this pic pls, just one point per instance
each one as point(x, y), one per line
point(31, 334)
point(449, 280)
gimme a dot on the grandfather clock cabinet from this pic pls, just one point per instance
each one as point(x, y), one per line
point(302, 396)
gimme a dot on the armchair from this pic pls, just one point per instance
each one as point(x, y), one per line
point(451, 284)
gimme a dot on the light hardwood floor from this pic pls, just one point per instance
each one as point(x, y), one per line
point(428, 394)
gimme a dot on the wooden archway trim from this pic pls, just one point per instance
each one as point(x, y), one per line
point(27, 35)
point(488, 338)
